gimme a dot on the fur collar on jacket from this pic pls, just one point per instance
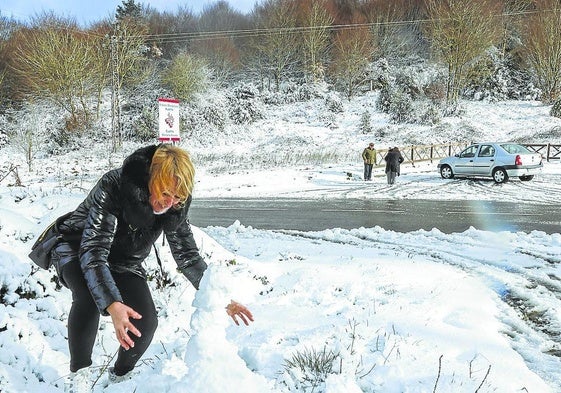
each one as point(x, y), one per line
point(137, 211)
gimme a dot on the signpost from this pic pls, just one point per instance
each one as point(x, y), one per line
point(168, 120)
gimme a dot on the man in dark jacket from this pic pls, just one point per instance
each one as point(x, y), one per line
point(393, 162)
point(105, 241)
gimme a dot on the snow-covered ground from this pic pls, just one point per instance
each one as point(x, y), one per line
point(395, 312)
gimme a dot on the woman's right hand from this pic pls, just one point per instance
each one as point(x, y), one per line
point(120, 314)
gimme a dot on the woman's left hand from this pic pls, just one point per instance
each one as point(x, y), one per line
point(235, 310)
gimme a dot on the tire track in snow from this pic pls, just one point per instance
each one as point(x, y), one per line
point(531, 293)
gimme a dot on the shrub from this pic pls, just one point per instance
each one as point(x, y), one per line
point(215, 113)
point(383, 100)
point(401, 108)
point(556, 108)
point(4, 129)
point(435, 90)
point(328, 119)
point(311, 367)
point(406, 83)
point(273, 97)
point(186, 76)
point(145, 125)
point(334, 103)
point(431, 116)
point(244, 108)
point(365, 127)
point(77, 122)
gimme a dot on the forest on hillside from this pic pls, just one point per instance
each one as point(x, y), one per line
point(423, 56)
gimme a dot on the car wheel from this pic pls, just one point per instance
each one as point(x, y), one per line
point(500, 175)
point(446, 172)
point(527, 177)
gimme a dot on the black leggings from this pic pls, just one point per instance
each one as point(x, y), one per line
point(83, 319)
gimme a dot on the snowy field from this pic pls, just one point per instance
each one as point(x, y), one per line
point(388, 312)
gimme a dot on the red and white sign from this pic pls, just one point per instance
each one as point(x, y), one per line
point(168, 109)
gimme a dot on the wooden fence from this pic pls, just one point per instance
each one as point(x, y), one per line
point(549, 151)
point(418, 153)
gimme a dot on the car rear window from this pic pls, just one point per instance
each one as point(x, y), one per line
point(513, 148)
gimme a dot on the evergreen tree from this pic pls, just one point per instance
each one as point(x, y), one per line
point(129, 9)
point(365, 127)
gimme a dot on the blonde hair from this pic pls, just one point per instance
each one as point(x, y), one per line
point(171, 172)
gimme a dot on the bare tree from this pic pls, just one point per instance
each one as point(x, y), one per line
point(28, 139)
point(277, 45)
point(352, 50)
point(542, 40)
point(316, 22)
point(168, 30)
point(132, 61)
point(129, 66)
point(216, 44)
point(390, 37)
point(460, 31)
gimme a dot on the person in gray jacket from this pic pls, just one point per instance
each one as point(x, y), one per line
point(105, 241)
point(393, 162)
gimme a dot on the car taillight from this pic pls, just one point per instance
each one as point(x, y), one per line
point(517, 160)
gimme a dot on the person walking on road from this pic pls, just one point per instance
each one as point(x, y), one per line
point(369, 158)
point(393, 161)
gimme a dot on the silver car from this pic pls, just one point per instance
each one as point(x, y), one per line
point(497, 160)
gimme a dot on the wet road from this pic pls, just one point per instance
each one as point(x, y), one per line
point(396, 215)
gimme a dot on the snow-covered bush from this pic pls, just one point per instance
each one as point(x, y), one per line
point(328, 119)
point(271, 97)
point(215, 113)
point(4, 125)
point(288, 93)
point(377, 73)
point(383, 100)
point(556, 108)
point(364, 126)
point(333, 103)
point(401, 108)
point(435, 90)
point(3, 138)
point(396, 103)
point(190, 119)
point(382, 132)
point(431, 116)
point(498, 77)
point(407, 83)
point(244, 107)
point(145, 126)
point(487, 79)
point(306, 92)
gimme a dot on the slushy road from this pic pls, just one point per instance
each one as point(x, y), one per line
point(396, 215)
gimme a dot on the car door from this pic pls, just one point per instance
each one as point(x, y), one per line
point(484, 160)
point(463, 164)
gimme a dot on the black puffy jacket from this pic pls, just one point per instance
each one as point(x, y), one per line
point(116, 228)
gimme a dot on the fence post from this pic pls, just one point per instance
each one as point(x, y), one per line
point(548, 150)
